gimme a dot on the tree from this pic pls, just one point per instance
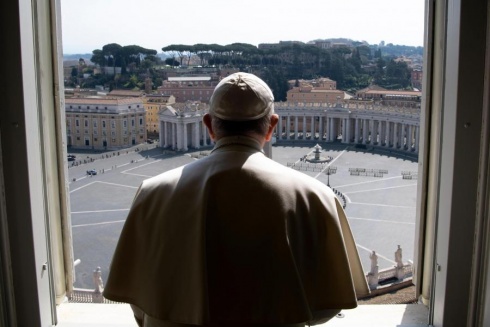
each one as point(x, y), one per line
point(112, 52)
point(133, 82)
point(171, 62)
point(99, 58)
point(182, 50)
point(397, 74)
point(135, 54)
point(74, 72)
point(379, 74)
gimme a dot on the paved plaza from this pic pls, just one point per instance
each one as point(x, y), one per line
point(381, 209)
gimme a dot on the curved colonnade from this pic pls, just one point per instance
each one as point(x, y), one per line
point(350, 123)
point(388, 127)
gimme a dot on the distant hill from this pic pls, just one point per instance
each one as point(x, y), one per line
point(390, 49)
point(77, 56)
point(87, 56)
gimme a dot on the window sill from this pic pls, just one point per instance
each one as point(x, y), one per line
point(105, 315)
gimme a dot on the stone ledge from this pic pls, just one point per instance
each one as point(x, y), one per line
point(106, 315)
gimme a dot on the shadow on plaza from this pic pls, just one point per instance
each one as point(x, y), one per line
point(144, 150)
point(366, 149)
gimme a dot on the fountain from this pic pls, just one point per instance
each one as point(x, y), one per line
point(316, 157)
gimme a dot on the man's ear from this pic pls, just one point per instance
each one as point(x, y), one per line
point(274, 121)
point(208, 122)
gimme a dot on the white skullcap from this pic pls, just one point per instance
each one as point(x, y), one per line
point(241, 97)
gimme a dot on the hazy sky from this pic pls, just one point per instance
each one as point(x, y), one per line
point(153, 24)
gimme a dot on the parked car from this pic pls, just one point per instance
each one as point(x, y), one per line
point(149, 141)
point(71, 157)
point(91, 172)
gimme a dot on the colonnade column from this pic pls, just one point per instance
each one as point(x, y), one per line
point(288, 126)
point(387, 133)
point(347, 128)
point(331, 132)
point(163, 136)
point(203, 134)
point(379, 132)
point(410, 137)
point(304, 127)
point(296, 127)
point(320, 128)
point(396, 139)
point(364, 131)
point(195, 133)
point(279, 128)
point(356, 131)
point(312, 128)
point(174, 135)
point(184, 129)
point(178, 136)
point(417, 136)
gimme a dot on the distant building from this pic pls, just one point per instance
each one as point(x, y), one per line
point(211, 71)
point(105, 123)
point(154, 104)
point(267, 46)
point(126, 93)
point(323, 44)
point(181, 126)
point(390, 97)
point(80, 93)
point(193, 88)
point(227, 71)
point(404, 59)
point(340, 45)
point(322, 90)
point(416, 77)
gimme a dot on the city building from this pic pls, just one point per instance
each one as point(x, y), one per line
point(154, 103)
point(323, 44)
point(182, 127)
point(390, 97)
point(189, 88)
point(190, 71)
point(268, 46)
point(322, 90)
point(120, 93)
point(417, 76)
point(105, 123)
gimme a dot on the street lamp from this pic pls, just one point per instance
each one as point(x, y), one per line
point(330, 171)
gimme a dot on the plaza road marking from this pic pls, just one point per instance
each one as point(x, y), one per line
point(140, 175)
point(143, 165)
point(331, 162)
point(82, 187)
point(128, 186)
point(94, 224)
point(373, 181)
point(379, 255)
point(382, 220)
point(101, 183)
point(96, 211)
point(383, 205)
point(149, 163)
point(379, 189)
